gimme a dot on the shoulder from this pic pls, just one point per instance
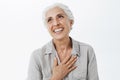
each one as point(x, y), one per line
point(84, 45)
point(86, 49)
point(40, 51)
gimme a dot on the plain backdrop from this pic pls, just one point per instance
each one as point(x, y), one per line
point(97, 22)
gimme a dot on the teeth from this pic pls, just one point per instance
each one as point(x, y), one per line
point(57, 30)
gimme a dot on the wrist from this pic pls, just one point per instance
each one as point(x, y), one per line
point(54, 78)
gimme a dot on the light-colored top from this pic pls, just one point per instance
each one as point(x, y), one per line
point(41, 62)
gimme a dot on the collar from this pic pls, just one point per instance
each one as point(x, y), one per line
point(75, 48)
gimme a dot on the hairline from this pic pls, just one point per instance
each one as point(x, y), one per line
point(58, 13)
point(61, 6)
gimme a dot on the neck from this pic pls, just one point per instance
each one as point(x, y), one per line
point(63, 44)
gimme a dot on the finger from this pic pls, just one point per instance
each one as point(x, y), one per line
point(66, 59)
point(71, 61)
point(55, 62)
point(72, 68)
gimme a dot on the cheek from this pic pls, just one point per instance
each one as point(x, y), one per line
point(66, 22)
point(48, 26)
point(49, 29)
point(68, 25)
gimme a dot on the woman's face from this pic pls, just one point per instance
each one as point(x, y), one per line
point(58, 23)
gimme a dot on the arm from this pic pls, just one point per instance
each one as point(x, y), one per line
point(34, 71)
point(92, 66)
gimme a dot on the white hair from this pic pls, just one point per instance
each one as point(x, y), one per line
point(61, 6)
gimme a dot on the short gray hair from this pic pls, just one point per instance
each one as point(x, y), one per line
point(61, 6)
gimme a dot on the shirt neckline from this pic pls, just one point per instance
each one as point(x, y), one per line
point(50, 49)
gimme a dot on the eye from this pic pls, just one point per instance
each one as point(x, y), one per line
point(60, 16)
point(49, 19)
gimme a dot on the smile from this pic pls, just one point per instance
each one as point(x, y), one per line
point(58, 30)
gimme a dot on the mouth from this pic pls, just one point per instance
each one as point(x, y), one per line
point(58, 30)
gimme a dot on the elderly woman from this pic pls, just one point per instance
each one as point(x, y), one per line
point(63, 58)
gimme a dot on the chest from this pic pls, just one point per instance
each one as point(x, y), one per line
point(80, 73)
point(63, 54)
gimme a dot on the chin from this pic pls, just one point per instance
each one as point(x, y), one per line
point(58, 38)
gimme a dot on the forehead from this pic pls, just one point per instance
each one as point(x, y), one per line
point(54, 11)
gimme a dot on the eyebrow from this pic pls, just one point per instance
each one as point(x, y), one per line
point(60, 14)
point(57, 15)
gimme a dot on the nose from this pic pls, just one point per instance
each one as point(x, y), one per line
point(55, 22)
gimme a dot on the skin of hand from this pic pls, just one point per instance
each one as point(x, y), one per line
point(65, 67)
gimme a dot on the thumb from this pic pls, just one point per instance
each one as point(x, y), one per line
point(55, 62)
